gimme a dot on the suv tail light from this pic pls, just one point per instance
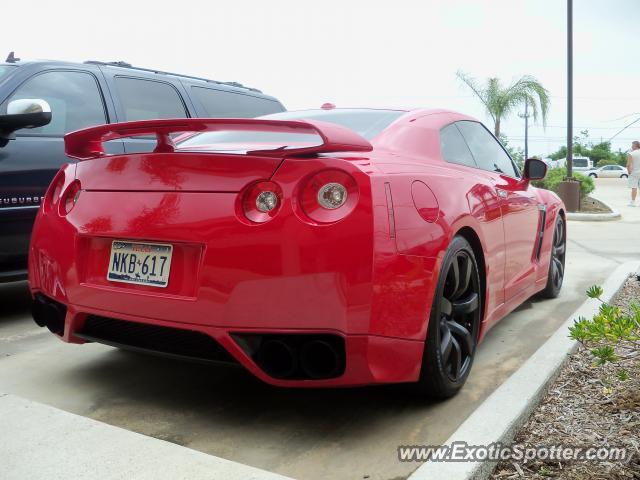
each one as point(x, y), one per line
point(328, 196)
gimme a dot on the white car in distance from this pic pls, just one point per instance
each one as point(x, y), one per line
point(608, 171)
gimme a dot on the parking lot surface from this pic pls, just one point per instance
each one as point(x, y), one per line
point(307, 434)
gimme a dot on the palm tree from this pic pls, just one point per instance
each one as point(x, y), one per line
point(500, 102)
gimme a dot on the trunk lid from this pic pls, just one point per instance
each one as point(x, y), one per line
point(186, 171)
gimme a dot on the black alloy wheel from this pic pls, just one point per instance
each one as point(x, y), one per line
point(454, 321)
point(556, 261)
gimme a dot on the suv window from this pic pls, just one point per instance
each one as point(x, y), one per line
point(74, 97)
point(4, 69)
point(486, 150)
point(218, 103)
point(453, 147)
point(148, 99)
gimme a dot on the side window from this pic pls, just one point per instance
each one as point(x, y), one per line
point(74, 98)
point(486, 150)
point(220, 103)
point(147, 99)
point(453, 147)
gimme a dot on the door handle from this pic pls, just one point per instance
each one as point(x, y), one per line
point(502, 193)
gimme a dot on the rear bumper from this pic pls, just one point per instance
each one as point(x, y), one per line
point(370, 359)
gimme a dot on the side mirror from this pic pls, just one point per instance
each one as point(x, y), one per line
point(23, 113)
point(534, 169)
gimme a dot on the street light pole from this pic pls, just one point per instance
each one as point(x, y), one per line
point(526, 129)
point(569, 188)
point(569, 88)
point(525, 115)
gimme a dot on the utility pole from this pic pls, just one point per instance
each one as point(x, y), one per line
point(569, 89)
point(569, 188)
point(526, 128)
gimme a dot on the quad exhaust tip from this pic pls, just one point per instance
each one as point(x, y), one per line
point(296, 356)
point(319, 359)
point(277, 358)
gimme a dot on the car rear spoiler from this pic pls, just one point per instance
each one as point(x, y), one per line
point(88, 143)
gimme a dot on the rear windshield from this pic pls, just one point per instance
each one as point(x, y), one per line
point(367, 123)
point(5, 69)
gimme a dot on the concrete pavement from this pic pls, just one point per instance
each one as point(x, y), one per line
point(39, 441)
point(309, 434)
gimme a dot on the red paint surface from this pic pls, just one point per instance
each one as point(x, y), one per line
point(366, 273)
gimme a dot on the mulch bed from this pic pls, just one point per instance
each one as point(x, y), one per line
point(591, 205)
point(585, 407)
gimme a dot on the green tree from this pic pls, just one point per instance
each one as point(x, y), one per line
point(599, 153)
point(516, 153)
point(500, 101)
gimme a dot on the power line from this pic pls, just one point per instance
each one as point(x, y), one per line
point(588, 128)
point(623, 129)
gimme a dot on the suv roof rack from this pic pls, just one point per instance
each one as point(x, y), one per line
point(122, 64)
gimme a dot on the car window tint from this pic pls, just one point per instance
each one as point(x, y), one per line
point(146, 99)
point(487, 152)
point(220, 103)
point(367, 123)
point(6, 69)
point(74, 98)
point(453, 147)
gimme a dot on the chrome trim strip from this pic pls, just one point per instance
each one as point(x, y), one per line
point(4, 209)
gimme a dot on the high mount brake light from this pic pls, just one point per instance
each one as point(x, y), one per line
point(328, 196)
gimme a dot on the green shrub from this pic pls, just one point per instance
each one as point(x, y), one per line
point(612, 335)
point(557, 175)
point(603, 162)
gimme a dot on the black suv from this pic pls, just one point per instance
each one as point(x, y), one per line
point(80, 95)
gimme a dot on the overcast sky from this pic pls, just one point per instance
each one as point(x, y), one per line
point(364, 53)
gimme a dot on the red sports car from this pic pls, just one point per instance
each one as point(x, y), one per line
point(316, 248)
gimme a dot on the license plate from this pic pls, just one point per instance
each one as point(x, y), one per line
point(140, 263)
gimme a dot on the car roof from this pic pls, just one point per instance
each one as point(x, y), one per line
point(439, 116)
point(125, 67)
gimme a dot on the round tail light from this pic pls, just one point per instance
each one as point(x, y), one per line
point(332, 195)
point(55, 189)
point(71, 196)
point(260, 202)
point(329, 196)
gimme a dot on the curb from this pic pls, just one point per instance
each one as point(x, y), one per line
point(498, 418)
point(595, 217)
point(43, 442)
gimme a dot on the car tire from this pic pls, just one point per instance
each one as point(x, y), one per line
point(593, 175)
point(624, 175)
point(555, 276)
point(454, 321)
